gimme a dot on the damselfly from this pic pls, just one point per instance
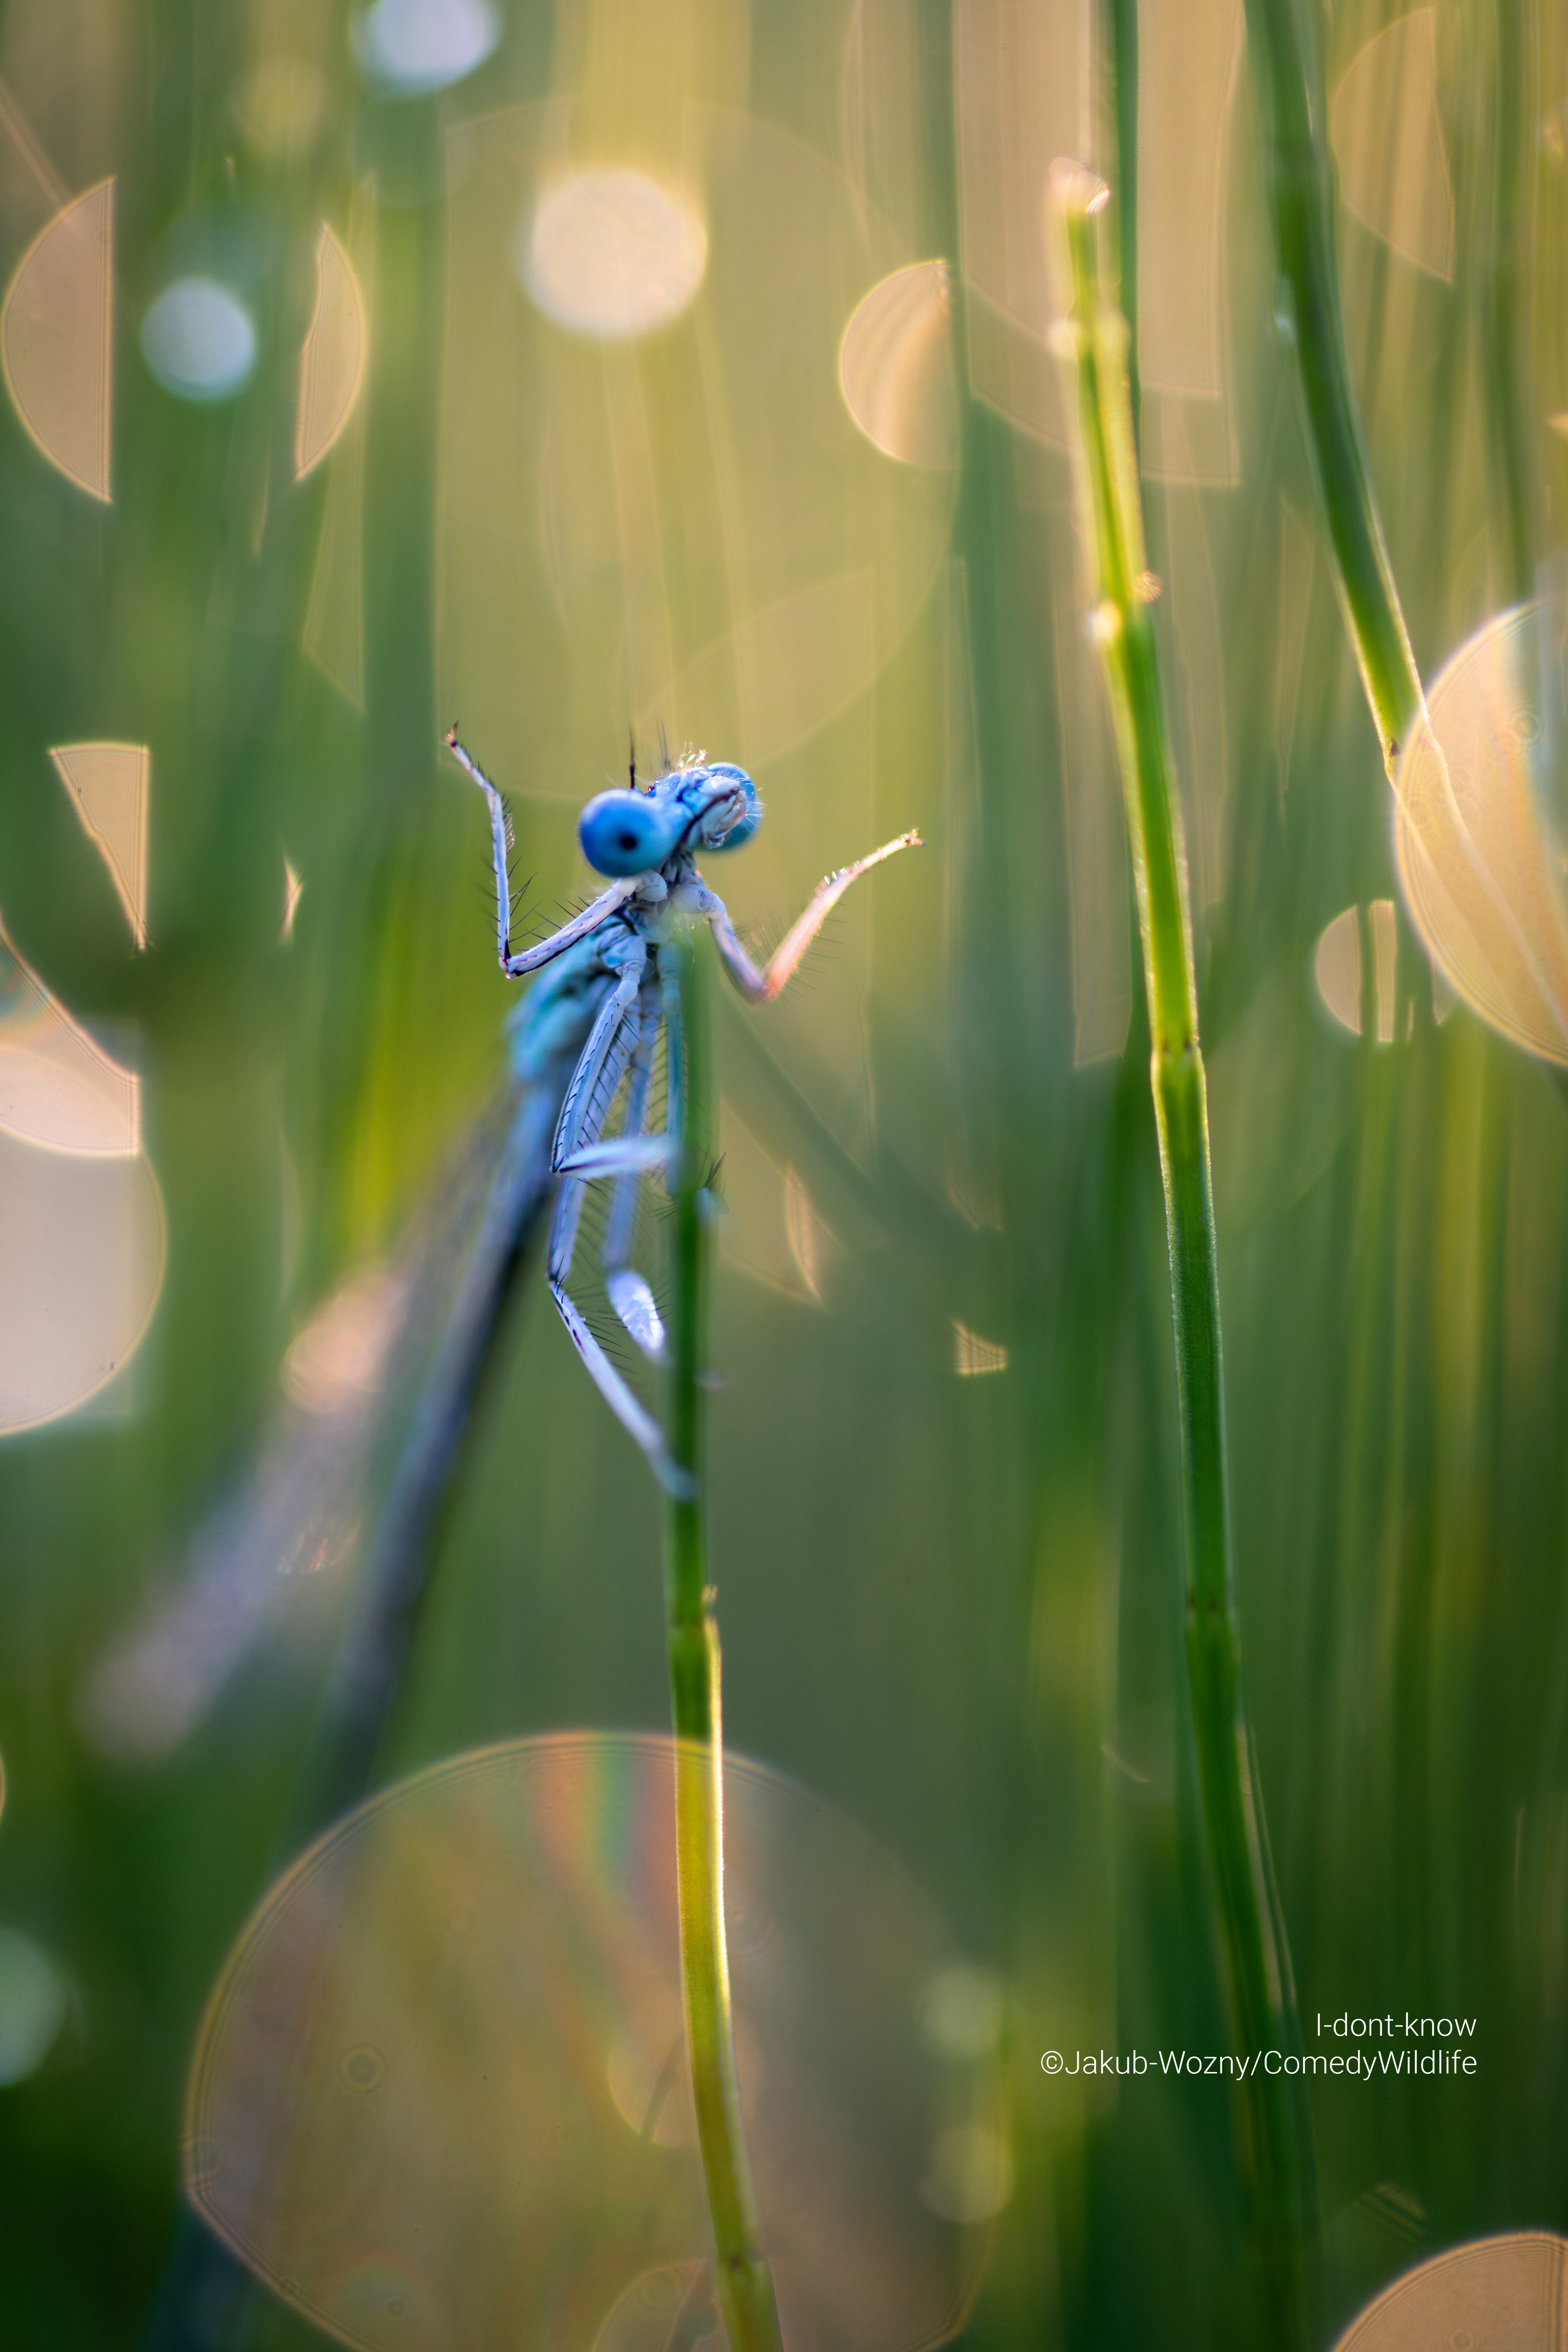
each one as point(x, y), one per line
point(613, 985)
point(590, 1024)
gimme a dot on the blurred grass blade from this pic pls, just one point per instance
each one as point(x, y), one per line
point(1301, 200)
point(1275, 2151)
point(959, 1268)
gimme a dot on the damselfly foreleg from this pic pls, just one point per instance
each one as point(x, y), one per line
point(515, 964)
point(762, 986)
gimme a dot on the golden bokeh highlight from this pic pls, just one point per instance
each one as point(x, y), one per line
point(340, 1356)
point(334, 617)
point(58, 1088)
point(56, 339)
point(1387, 134)
point(109, 785)
point(81, 1264)
point(441, 2096)
point(293, 890)
point(770, 1231)
point(332, 363)
point(973, 1356)
point(81, 1223)
point(1498, 2294)
point(613, 253)
point(1338, 968)
point(672, 2305)
point(895, 366)
point(1478, 858)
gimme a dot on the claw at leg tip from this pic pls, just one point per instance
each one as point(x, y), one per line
point(679, 1484)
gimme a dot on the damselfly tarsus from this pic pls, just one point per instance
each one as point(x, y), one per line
point(613, 983)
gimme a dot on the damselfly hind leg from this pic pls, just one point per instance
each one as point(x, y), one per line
point(623, 1037)
point(630, 1295)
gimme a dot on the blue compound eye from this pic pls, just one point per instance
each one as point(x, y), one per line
point(626, 833)
point(720, 832)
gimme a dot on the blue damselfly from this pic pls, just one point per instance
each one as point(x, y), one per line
point(352, 1444)
point(611, 992)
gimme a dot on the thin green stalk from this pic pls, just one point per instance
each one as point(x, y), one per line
point(1301, 200)
point(1276, 2145)
point(745, 2284)
point(1119, 21)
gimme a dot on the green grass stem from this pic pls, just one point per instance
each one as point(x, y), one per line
point(1120, 29)
point(745, 2285)
point(1277, 2159)
point(1301, 196)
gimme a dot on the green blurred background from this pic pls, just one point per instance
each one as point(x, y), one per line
point(817, 520)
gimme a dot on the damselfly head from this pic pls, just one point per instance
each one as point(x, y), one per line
point(702, 807)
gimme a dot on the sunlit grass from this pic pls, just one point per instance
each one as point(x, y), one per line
point(1274, 2149)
